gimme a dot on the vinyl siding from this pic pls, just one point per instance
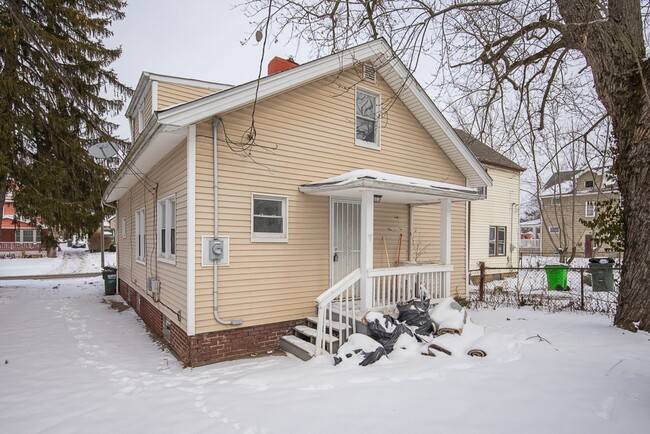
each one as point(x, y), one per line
point(304, 135)
point(567, 217)
point(170, 94)
point(169, 177)
point(496, 210)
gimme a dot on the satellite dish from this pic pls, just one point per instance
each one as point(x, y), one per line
point(102, 150)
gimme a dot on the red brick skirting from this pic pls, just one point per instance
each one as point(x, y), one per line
point(212, 347)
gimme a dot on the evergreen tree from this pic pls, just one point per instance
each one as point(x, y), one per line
point(53, 69)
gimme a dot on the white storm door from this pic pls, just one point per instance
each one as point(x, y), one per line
point(345, 240)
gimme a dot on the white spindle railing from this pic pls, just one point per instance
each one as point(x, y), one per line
point(392, 285)
point(13, 246)
point(529, 244)
point(340, 297)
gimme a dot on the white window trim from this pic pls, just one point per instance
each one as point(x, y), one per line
point(271, 238)
point(593, 213)
point(140, 260)
point(140, 118)
point(167, 258)
point(363, 143)
point(123, 227)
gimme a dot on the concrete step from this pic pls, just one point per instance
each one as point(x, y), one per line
point(300, 348)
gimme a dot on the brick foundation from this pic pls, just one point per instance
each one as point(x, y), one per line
point(212, 347)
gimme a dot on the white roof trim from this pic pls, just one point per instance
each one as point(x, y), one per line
point(145, 77)
point(394, 188)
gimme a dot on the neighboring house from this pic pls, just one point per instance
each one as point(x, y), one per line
point(566, 198)
point(530, 242)
point(19, 237)
point(493, 230)
point(312, 208)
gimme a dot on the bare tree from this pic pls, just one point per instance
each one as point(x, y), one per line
point(519, 54)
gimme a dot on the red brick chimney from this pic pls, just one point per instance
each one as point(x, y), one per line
point(278, 64)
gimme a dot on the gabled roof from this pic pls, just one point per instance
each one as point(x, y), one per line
point(175, 120)
point(146, 77)
point(388, 65)
point(486, 154)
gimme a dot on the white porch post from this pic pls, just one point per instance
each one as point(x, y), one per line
point(367, 230)
point(445, 241)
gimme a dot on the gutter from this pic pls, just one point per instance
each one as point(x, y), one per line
point(153, 127)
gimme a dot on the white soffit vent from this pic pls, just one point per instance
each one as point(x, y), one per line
point(369, 73)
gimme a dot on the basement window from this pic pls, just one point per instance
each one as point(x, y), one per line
point(269, 218)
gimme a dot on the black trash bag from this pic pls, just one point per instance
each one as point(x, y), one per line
point(368, 359)
point(400, 329)
point(379, 331)
point(415, 312)
point(373, 357)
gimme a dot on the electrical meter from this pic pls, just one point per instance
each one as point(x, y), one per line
point(216, 249)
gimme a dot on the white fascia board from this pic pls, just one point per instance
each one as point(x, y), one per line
point(138, 94)
point(240, 96)
point(423, 98)
point(189, 81)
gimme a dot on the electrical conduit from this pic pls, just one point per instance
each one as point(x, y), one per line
point(215, 310)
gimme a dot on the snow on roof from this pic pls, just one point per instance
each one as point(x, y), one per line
point(360, 174)
point(530, 223)
point(565, 187)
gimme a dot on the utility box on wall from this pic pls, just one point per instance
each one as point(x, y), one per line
point(215, 250)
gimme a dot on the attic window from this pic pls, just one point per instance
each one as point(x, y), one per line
point(369, 73)
point(367, 118)
point(589, 184)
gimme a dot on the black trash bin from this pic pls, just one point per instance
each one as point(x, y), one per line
point(110, 280)
point(602, 274)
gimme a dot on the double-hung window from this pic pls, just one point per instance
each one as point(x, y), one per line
point(367, 105)
point(167, 229)
point(269, 218)
point(590, 208)
point(140, 247)
point(497, 241)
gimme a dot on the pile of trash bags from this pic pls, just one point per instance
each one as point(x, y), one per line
point(443, 329)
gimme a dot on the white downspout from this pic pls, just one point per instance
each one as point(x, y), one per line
point(215, 310)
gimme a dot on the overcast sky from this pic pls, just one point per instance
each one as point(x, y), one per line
point(199, 39)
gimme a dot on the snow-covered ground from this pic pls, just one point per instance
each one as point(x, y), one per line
point(71, 364)
point(68, 261)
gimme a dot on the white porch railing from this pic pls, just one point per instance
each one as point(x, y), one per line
point(392, 285)
point(9, 246)
point(528, 244)
point(343, 295)
point(339, 305)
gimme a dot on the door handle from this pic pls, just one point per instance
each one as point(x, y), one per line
point(336, 257)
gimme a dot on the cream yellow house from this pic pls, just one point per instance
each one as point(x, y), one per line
point(313, 181)
point(493, 229)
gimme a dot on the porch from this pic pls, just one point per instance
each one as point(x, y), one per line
point(362, 287)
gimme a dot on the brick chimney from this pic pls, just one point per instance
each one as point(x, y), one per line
point(278, 64)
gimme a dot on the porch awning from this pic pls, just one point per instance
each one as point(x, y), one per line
point(392, 188)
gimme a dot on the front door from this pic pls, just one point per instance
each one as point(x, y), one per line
point(589, 247)
point(345, 240)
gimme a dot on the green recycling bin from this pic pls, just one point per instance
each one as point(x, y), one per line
point(556, 276)
point(602, 274)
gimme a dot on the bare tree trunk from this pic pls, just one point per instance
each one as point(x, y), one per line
point(614, 50)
